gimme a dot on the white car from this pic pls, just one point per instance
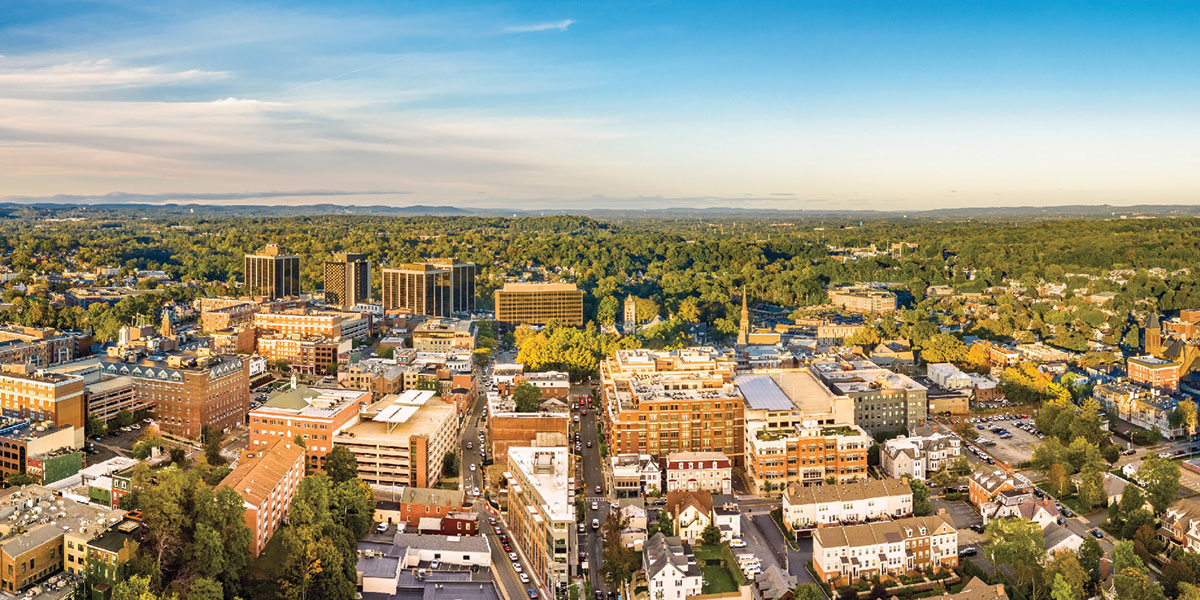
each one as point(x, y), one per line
point(737, 543)
point(472, 466)
point(512, 556)
point(595, 506)
point(517, 567)
point(476, 491)
point(381, 528)
point(524, 578)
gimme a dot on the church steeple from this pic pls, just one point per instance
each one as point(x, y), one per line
point(744, 326)
point(167, 329)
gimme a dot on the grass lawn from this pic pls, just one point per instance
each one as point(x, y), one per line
point(717, 580)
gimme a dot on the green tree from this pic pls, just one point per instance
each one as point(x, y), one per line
point(921, 506)
point(808, 591)
point(136, 587)
point(1089, 557)
point(211, 437)
point(95, 426)
point(340, 464)
point(1174, 573)
point(1057, 480)
point(123, 418)
point(1091, 489)
point(1051, 452)
point(1162, 482)
point(204, 588)
point(299, 441)
point(1061, 590)
point(711, 536)
point(450, 464)
point(619, 562)
point(1065, 566)
point(527, 397)
point(1020, 545)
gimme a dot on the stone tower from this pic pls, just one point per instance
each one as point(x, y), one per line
point(630, 315)
point(167, 329)
point(744, 325)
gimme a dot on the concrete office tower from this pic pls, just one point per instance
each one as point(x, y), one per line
point(462, 283)
point(420, 289)
point(347, 280)
point(272, 274)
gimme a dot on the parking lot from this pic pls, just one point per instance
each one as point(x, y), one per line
point(1005, 440)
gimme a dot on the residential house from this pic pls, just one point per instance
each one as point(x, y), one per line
point(885, 548)
point(635, 474)
point(984, 485)
point(918, 457)
point(809, 507)
point(670, 568)
point(692, 513)
point(1060, 539)
point(699, 471)
point(1179, 526)
point(774, 584)
point(727, 516)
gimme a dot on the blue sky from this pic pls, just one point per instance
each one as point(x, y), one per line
point(835, 104)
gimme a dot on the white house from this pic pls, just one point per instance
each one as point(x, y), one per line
point(727, 517)
point(692, 513)
point(635, 474)
point(670, 568)
point(806, 507)
point(699, 471)
point(1060, 539)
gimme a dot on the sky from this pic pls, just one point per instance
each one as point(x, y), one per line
point(833, 104)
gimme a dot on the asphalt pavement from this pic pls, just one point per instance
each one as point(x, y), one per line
point(591, 541)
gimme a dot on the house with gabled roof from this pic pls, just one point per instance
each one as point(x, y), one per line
point(692, 513)
point(886, 548)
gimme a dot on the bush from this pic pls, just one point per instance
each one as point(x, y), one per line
point(953, 496)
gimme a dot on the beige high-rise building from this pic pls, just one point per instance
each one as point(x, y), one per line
point(347, 280)
point(272, 274)
point(539, 303)
point(417, 288)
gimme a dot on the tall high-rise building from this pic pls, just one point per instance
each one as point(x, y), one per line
point(272, 274)
point(420, 289)
point(462, 283)
point(347, 280)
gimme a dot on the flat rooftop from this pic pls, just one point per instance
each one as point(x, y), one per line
point(304, 401)
point(547, 470)
point(400, 420)
point(539, 287)
point(805, 391)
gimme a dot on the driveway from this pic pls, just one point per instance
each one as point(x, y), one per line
point(768, 549)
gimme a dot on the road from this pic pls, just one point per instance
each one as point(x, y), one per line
point(593, 478)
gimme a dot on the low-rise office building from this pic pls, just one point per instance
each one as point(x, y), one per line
point(635, 475)
point(1153, 372)
point(539, 303)
point(42, 396)
point(444, 335)
point(507, 428)
point(401, 440)
point(808, 454)
point(189, 389)
point(317, 415)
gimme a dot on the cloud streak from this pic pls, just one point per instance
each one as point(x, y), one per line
point(190, 197)
point(547, 26)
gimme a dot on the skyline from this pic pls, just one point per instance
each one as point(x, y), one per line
point(858, 105)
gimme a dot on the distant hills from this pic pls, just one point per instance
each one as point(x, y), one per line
point(1103, 211)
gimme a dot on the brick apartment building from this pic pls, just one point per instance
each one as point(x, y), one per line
point(659, 402)
point(266, 478)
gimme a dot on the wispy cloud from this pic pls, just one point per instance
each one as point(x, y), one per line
point(547, 26)
point(190, 197)
point(94, 74)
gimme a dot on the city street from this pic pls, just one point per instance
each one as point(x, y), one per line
point(591, 541)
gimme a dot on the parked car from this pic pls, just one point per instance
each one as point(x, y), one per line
point(1097, 533)
point(737, 543)
point(968, 551)
point(381, 528)
point(512, 556)
point(595, 523)
point(524, 578)
point(977, 528)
